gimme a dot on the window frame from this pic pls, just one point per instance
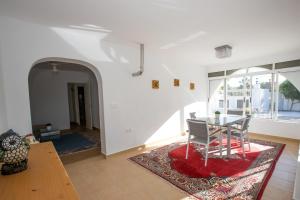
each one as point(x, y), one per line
point(274, 91)
point(276, 82)
point(208, 92)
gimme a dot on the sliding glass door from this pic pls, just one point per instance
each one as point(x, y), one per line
point(216, 96)
point(235, 95)
point(250, 95)
point(261, 98)
point(288, 95)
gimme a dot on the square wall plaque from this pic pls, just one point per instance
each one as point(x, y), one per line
point(192, 86)
point(155, 84)
point(176, 82)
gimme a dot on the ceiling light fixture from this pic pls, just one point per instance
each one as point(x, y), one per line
point(224, 51)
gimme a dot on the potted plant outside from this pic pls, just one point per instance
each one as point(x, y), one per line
point(217, 114)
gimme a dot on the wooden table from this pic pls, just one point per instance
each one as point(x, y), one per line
point(227, 122)
point(45, 178)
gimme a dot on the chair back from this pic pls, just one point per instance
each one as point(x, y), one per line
point(193, 115)
point(245, 123)
point(198, 131)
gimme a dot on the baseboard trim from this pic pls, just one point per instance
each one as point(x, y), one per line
point(275, 136)
point(143, 146)
point(140, 147)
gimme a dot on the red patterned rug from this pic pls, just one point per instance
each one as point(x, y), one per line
point(235, 178)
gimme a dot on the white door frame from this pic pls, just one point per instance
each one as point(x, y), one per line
point(87, 102)
point(97, 74)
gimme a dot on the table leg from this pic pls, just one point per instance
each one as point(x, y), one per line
point(228, 141)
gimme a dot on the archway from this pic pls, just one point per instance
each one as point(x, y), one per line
point(66, 94)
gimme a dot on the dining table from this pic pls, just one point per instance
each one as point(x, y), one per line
point(224, 122)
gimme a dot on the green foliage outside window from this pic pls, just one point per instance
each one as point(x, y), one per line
point(289, 91)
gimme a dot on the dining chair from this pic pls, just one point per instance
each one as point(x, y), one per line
point(199, 133)
point(194, 117)
point(241, 133)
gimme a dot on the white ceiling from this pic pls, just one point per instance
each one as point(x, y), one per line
point(189, 28)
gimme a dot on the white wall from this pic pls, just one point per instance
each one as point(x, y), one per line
point(134, 114)
point(289, 129)
point(3, 120)
point(49, 96)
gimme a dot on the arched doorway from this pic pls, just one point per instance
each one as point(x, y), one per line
point(66, 104)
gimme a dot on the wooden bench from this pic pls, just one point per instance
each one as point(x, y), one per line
point(45, 178)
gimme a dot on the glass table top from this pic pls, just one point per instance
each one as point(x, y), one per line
point(222, 120)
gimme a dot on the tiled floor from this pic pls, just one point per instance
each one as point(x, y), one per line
point(117, 178)
point(281, 184)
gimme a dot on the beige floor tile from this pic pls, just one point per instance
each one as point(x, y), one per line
point(118, 178)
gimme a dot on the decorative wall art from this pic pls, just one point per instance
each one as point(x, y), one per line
point(176, 82)
point(192, 86)
point(155, 84)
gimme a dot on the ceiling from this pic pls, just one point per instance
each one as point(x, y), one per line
point(189, 28)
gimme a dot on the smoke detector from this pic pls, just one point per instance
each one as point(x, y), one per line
point(223, 51)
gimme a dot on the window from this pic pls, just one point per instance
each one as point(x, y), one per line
point(216, 96)
point(288, 95)
point(261, 68)
point(236, 71)
point(235, 95)
point(266, 91)
point(261, 95)
point(239, 103)
point(221, 103)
